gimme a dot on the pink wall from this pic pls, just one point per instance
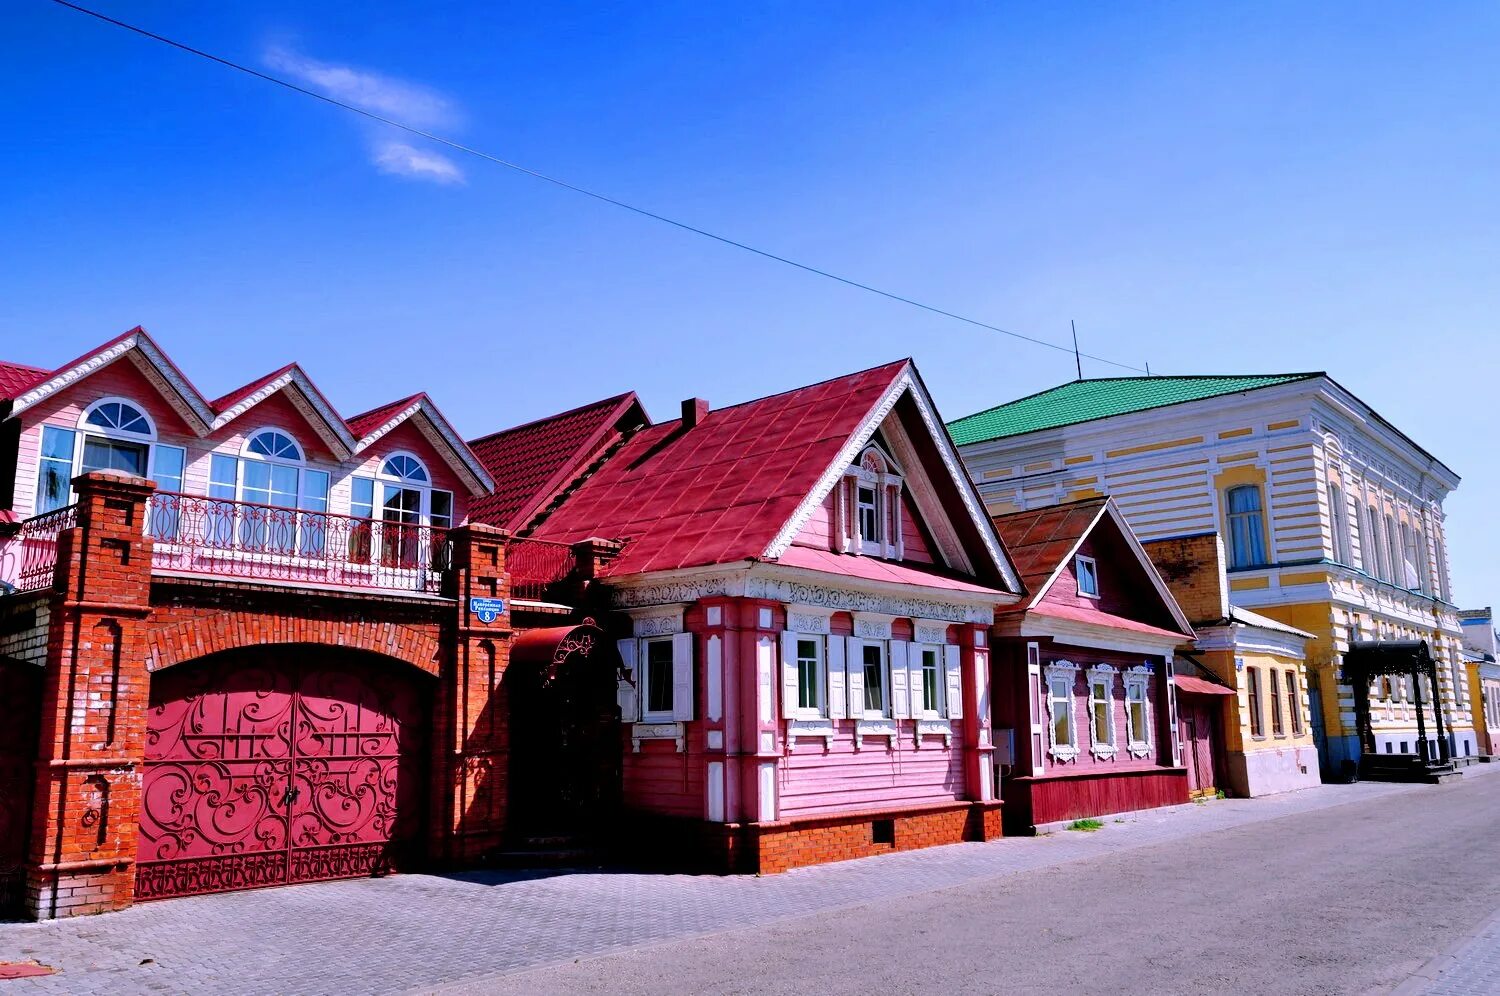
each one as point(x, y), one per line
point(1083, 711)
point(820, 532)
point(123, 379)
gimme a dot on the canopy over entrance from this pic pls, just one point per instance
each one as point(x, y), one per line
point(1369, 659)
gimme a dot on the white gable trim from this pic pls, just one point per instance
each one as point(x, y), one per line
point(325, 422)
point(440, 434)
point(862, 435)
point(1046, 586)
point(181, 395)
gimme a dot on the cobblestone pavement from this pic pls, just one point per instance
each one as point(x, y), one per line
point(1470, 969)
point(425, 932)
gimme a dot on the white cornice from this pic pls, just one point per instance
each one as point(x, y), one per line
point(308, 402)
point(1240, 638)
point(1096, 636)
point(436, 430)
point(181, 395)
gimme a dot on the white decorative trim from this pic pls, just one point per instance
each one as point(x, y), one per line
point(872, 625)
point(657, 622)
point(933, 727)
point(809, 619)
point(715, 740)
point(324, 420)
point(825, 728)
point(1102, 742)
point(1138, 676)
point(435, 428)
point(181, 395)
point(874, 728)
point(1062, 753)
point(657, 731)
point(1095, 636)
point(929, 631)
point(714, 616)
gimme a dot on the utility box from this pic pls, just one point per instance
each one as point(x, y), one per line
point(1005, 747)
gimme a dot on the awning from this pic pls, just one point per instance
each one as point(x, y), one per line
point(1199, 686)
point(546, 649)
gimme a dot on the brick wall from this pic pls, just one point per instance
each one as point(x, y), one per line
point(780, 847)
point(1194, 569)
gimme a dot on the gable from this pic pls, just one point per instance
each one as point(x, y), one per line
point(277, 412)
point(1125, 589)
point(124, 378)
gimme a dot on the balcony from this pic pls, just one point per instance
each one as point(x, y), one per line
point(29, 558)
point(215, 537)
point(542, 571)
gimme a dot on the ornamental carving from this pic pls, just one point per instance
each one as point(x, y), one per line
point(670, 591)
point(808, 622)
point(662, 625)
point(872, 629)
point(930, 632)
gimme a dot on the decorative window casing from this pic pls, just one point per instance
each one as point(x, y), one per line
point(112, 434)
point(1257, 720)
point(1062, 719)
point(1138, 711)
point(1102, 710)
point(1086, 570)
point(1294, 702)
point(929, 681)
point(870, 520)
point(656, 692)
point(1338, 520)
point(804, 663)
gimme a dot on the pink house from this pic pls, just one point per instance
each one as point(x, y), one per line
point(801, 602)
point(1084, 700)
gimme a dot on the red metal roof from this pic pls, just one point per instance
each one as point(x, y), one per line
point(532, 463)
point(1073, 613)
point(1188, 683)
point(1040, 539)
point(234, 397)
point(366, 422)
point(875, 569)
point(17, 378)
point(720, 492)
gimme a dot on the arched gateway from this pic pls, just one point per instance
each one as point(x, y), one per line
point(565, 732)
point(279, 764)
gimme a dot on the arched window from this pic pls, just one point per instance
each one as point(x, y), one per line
point(1338, 515)
point(406, 494)
point(1247, 527)
point(111, 434)
point(271, 471)
point(1378, 560)
point(1410, 558)
point(1393, 545)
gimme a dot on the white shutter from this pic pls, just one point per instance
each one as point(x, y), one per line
point(854, 665)
point(625, 695)
point(789, 680)
point(682, 676)
point(903, 706)
point(955, 682)
point(837, 703)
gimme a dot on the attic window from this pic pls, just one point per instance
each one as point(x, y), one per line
point(1087, 572)
point(870, 506)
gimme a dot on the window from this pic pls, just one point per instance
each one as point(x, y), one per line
point(1338, 513)
point(810, 673)
point(1277, 726)
point(1138, 725)
point(657, 675)
point(1247, 538)
point(271, 474)
point(1087, 571)
point(165, 515)
point(1062, 726)
point(1380, 564)
point(1294, 702)
point(932, 680)
point(873, 658)
point(1393, 544)
point(869, 516)
point(54, 481)
point(1257, 722)
point(1409, 558)
point(408, 503)
point(117, 436)
point(1102, 710)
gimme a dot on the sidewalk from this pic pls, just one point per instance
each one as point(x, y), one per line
point(422, 932)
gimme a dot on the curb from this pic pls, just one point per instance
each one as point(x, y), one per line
point(1434, 969)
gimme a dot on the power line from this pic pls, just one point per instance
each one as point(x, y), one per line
point(564, 184)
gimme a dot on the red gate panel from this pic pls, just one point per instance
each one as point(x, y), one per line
point(274, 768)
point(20, 690)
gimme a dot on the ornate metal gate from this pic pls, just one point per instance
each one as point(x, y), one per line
point(20, 690)
point(287, 765)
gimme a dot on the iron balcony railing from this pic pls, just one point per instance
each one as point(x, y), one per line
point(216, 536)
point(30, 558)
point(541, 571)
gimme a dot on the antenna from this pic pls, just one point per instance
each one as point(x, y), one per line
point(1077, 358)
point(1148, 368)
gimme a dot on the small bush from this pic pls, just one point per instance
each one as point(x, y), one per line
point(1088, 825)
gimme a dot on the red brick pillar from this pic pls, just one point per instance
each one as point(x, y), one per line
point(472, 728)
point(87, 801)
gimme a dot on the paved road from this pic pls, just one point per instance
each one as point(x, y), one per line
point(1335, 889)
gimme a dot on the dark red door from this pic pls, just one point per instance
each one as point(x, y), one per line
point(1198, 751)
point(280, 766)
point(20, 691)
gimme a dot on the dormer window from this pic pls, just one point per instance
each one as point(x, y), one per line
point(870, 506)
point(1087, 571)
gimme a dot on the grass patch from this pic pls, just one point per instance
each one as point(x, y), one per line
point(1088, 825)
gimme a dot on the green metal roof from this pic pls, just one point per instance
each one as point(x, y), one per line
point(1086, 400)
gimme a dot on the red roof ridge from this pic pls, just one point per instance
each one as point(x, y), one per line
point(357, 423)
point(555, 416)
point(230, 399)
point(805, 387)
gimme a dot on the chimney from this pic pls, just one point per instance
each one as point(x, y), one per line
point(693, 410)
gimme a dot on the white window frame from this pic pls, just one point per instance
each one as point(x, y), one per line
point(388, 481)
point(884, 712)
point(1138, 683)
point(887, 484)
point(1102, 742)
point(644, 688)
point(918, 654)
point(1067, 672)
point(1338, 522)
point(1089, 565)
point(820, 675)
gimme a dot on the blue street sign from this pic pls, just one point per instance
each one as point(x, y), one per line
point(487, 609)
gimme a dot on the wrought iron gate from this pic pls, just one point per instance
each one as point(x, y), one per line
point(280, 766)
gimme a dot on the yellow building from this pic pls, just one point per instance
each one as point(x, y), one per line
point(1266, 725)
point(1331, 518)
point(1481, 653)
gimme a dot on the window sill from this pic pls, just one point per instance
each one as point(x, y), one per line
point(932, 726)
point(1139, 749)
point(1064, 754)
point(820, 726)
point(873, 727)
point(1105, 751)
point(649, 729)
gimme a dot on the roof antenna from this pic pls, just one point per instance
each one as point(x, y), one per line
point(1148, 368)
point(1077, 359)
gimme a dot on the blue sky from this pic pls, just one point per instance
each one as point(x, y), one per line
point(1212, 188)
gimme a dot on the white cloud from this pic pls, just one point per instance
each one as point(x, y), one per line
point(400, 159)
point(408, 103)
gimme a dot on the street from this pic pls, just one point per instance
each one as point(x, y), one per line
point(1348, 889)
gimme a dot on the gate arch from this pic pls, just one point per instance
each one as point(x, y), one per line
point(218, 632)
point(288, 763)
